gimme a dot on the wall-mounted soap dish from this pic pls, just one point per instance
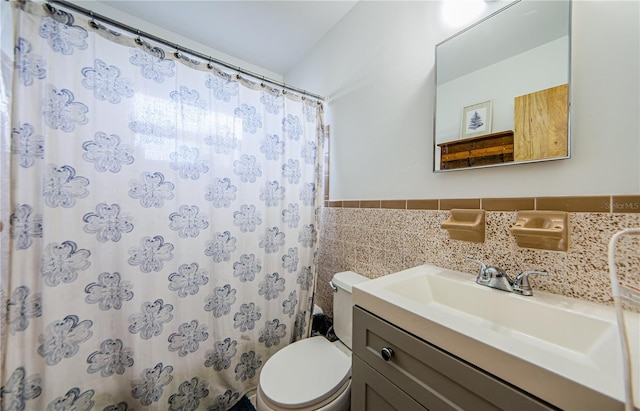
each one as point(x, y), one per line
point(545, 230)
point(465, 225)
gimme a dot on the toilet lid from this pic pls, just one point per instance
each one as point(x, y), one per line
point(305, 373)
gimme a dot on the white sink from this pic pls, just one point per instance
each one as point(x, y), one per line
point(515, 337)
point(504, 311)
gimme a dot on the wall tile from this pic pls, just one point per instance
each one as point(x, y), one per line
point(396, 204)
point(375, 242)
point(590, 204)
point(370, 204)
point(422, 204)
point(626, 204)
point(508, 204)
point(448, 204)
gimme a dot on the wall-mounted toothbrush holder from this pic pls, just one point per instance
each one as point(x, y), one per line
point(465, 225)
point(544, 230)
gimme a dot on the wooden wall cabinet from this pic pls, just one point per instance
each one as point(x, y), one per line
point(420, 376)
point(494, 148)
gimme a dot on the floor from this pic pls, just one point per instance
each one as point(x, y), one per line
point(243, 405)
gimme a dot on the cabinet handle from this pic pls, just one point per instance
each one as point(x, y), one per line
point(387, 353)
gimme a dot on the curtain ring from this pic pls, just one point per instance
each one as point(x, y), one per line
point(177, 53)
point(262, 83)
point(138, 39)
point(93, 23)
point(49, 8)
point(210, 64)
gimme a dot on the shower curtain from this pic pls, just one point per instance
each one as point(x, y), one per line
point(161, 233)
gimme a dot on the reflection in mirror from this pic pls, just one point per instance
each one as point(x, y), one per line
point(502, 88)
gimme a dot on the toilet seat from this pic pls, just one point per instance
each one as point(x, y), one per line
point(305, 374)
point(340, 401)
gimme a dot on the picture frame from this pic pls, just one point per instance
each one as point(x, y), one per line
point(476, 120)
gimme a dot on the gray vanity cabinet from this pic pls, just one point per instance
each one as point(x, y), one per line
point(420, 376)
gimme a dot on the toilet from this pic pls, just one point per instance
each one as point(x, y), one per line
point(314, 373)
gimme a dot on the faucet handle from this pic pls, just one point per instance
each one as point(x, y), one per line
point(483, 276)
point(521, 283)
point(480, 263)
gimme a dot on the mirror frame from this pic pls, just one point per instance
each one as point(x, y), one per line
point(569, 93)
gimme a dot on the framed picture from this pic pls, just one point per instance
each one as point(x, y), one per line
point(476, 120)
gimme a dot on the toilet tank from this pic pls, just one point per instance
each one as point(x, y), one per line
point(343, 305)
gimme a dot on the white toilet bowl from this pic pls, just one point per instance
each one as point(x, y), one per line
point(313, 374)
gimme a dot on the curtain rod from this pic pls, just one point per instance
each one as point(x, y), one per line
point(179, 48)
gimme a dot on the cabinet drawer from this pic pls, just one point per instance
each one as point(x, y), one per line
point(370, 391)
point(433, 377)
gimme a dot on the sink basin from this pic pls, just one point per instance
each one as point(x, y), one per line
point(505, 312)
point(539, 343)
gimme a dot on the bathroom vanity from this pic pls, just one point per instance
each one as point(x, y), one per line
point(415, 375)
point(429, 338)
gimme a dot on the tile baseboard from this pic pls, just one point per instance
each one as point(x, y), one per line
point(624, 204)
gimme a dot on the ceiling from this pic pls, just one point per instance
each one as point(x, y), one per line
point(274, 35)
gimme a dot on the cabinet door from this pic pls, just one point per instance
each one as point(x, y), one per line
point(433, 377)
point(370, 391)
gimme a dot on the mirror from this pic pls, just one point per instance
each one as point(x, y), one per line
point(502, 88)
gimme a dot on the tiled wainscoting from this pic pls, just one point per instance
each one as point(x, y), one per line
point(375, 238)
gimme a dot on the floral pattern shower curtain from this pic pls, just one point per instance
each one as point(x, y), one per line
point(162, 226)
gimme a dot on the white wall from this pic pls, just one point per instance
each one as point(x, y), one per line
point(546, 66)
point(376, 68)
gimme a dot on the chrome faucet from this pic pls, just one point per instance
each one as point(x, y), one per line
point(521, 283)
point(497, 278)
